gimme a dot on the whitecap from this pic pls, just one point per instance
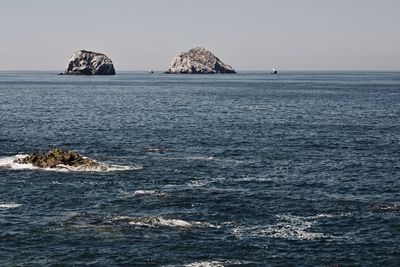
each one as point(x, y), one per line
point(198, 183)
point(387, 207)
point(288, 227)
point(201, 158)
point(9, 163)
point(203, 182)
point(104, 167)
point(9, 205)
point(254, 179)
point(215, 263)
point(205, 264)
point(156, 222)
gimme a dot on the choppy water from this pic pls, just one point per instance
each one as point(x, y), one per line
point(296, 169)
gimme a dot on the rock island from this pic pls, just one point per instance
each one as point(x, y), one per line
point(198, 61)
point(58, 158)
point(89, 63)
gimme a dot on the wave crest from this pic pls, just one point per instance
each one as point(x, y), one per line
point(9, 205)
point(157, 222)
point(288, 227)
point(215, 263)
point(87, 220)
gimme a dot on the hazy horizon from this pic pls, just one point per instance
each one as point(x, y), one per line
point(250, 36)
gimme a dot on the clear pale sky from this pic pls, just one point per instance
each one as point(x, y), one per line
point(247, 34)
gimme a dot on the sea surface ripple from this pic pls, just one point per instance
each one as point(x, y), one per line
point(253, 169)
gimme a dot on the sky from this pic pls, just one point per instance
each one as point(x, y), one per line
point(247, 34)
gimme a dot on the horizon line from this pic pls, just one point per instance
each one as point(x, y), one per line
point(237, 71)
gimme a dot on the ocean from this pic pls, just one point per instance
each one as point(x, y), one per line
point(250, 169)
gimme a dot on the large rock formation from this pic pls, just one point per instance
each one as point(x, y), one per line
point(198, 60)
point(89, 63)
point(56, 157)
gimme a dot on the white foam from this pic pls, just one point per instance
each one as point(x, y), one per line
point(215, 263)
point(201, 158)
point(198, 183)
point(203, 182)
point(8, 162)
point(205, 264)
point(387, 207)
point(9, 205)
point(254, 179)
point(102, 168)
point(288, 227)
point(170, 222)
point(158, 221)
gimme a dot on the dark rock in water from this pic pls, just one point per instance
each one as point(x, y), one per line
point(56, 157)
point(89, 63)
point(198, 61)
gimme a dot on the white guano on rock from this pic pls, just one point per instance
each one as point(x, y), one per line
point(198, 61)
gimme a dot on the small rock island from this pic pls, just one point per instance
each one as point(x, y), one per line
point(57, 157)
point(198, 61)
point(89, 63)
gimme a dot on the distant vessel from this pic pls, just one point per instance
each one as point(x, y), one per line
point(274, 71)
point(151, 71)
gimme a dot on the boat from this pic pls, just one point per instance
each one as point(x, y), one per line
point(274, 71)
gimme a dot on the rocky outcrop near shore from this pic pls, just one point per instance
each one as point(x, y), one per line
point(89, 63)
point(198, 61)
point(57, 158)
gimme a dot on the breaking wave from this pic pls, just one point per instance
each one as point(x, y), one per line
point(215, 263)
point(390, 207)
point(288, 227)
point(8, 162)
point(9, 205)
point(254, 179)
point(85, 220)
point(205, 264)
point(156, 222)
point(203, 182)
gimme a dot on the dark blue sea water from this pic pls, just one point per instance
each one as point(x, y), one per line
point(295, 169)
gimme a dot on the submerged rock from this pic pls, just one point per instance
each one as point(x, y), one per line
point(198, 60)
point(56, 157)
point(89, 63)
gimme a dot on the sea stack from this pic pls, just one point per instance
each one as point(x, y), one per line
point(89, 63)
point(56, 158)
point(198, 61)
